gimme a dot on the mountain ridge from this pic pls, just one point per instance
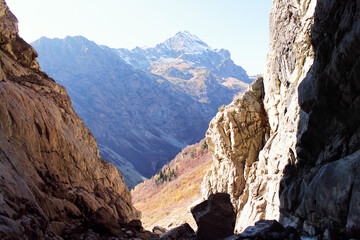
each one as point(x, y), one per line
point(183, 45)
point(149, 116)
point(185, 42)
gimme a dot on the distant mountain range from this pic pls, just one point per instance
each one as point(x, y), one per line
point(189, 63)
point(143, 105)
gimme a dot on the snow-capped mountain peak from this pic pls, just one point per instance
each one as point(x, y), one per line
point(185, 42)
point(184, 46)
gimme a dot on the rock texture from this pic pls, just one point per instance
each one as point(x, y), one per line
point(52, 176)
point(235, 136)
point(307, 173)
point(215, 217)
point(326, 174)
point(289, 60)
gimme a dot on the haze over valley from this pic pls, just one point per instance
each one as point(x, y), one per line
point(143, 105)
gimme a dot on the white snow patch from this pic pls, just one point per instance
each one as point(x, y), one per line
point(187, 43)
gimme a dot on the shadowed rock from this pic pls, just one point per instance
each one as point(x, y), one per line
point(215, 217)
point(266, 230)
point(104, 223)
point(183, 232)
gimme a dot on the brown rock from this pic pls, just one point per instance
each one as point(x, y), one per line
point(10, 41)
point(52, 176)
point(104, 223)
point(146, 235)
point(135, 225)
point(215, 217)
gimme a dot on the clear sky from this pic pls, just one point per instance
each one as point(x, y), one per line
point(241, 26)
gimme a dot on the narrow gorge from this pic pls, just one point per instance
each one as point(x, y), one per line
point(287, 149)
point(146, 104)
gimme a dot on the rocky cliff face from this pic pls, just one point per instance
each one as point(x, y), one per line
point(321, 191)
point(235, 136)
point(307, 173)
point(52, 176)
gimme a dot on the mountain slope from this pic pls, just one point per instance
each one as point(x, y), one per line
point(186, 60)
point(143, 117)
point(164, 199)
point(53, 179)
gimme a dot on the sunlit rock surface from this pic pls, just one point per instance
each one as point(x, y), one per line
point(52, 176)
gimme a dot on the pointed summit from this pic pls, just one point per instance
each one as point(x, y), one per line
point(186, 42)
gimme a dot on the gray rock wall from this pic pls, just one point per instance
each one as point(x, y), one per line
point(321, 191)
point(289, 59)
point(307, 173)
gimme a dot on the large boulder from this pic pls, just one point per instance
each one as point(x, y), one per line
point(215, 217)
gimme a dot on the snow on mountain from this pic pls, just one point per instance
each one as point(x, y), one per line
point(184, 46)
point(185, 42)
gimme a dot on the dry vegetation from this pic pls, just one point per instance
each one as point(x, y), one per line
point(166, 202)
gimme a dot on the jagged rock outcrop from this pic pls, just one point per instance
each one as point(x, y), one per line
point(52, 176)
point(255, 191)
point(235, 136)
point(12, 44)
point(289, 60)
point(307, 173)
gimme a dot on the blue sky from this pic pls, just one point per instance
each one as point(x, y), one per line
point(240, 26)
